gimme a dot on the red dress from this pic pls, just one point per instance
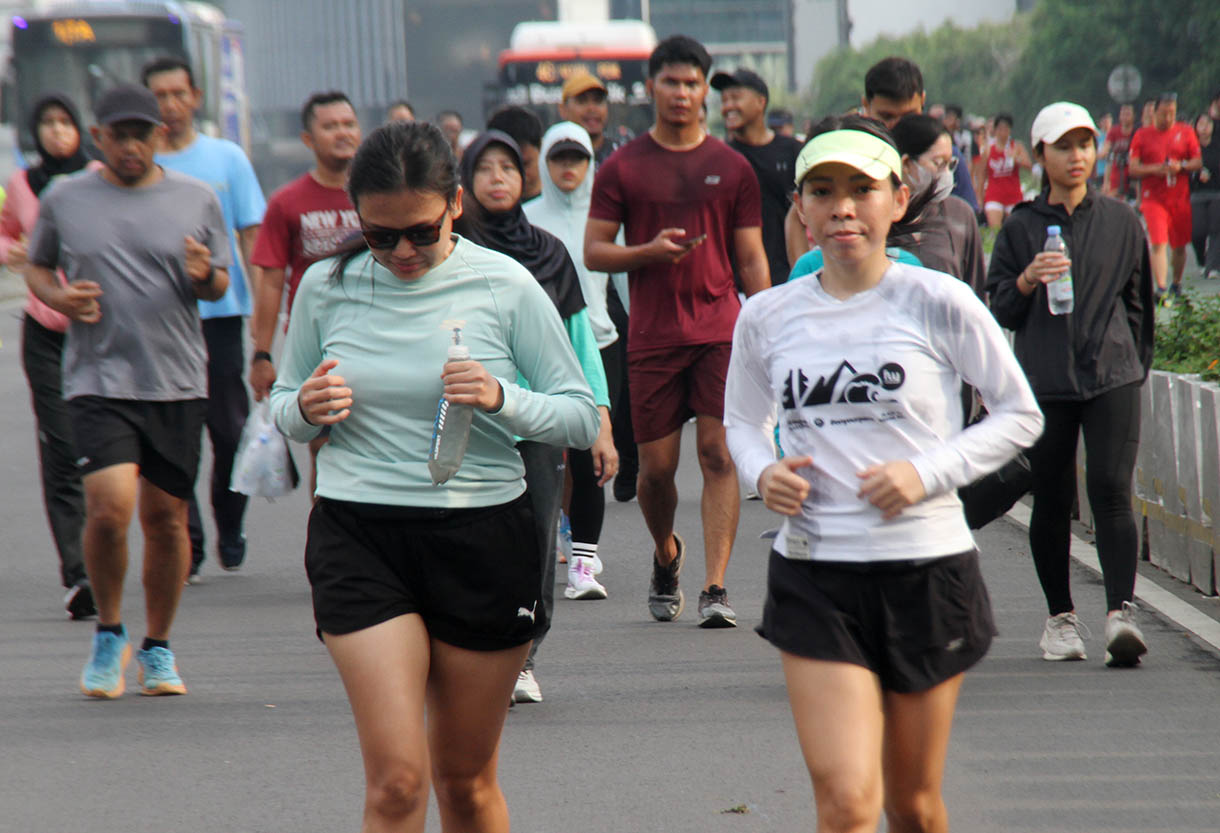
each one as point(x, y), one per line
point(1003, 175)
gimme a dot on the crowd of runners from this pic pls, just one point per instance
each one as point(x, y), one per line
point(819, 306)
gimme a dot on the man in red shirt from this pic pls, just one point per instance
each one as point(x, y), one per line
point(690, 208)
point(306, 220)
point(1162, 157)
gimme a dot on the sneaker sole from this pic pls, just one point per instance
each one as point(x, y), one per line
point(162, 690)
point(588, 594)
point(117, 691)
point(717, 620)
point(1049, 657)
point(1125, 651)
point(520, 696)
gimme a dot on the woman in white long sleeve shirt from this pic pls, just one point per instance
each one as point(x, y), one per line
point(874, 596)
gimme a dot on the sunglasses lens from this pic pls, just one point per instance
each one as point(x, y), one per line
point(380, 238)
point(422, 235)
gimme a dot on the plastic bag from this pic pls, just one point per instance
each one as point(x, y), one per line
point(263, 466)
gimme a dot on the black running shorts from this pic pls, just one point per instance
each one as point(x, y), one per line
point(914, 624)
point(162, 438)
point(473, 575)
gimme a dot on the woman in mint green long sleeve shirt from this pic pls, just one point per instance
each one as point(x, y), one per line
point(427, 598)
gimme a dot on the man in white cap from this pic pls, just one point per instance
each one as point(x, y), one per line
point(139, 246)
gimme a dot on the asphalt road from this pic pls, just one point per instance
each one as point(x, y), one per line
point(645, 727)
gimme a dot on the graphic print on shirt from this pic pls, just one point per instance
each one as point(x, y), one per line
point(845, 385)
point(324, 230)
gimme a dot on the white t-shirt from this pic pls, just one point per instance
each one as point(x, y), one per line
point(872, 379)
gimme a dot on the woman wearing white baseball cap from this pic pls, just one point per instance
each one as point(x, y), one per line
point(874, 595)
point(1086, 368)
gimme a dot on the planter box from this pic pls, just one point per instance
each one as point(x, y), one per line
point(1167, 539)
point(1209, 471)
point(1188, 399)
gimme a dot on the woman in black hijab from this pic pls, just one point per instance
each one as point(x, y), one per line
point(59, 141)
point(492, 216)
point(492, 180)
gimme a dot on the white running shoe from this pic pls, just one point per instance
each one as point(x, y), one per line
point(581, 583)
point(1061, 638)
point(1124, 641)
point(527, 689)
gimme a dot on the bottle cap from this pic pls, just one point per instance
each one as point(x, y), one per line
point(1054, 230)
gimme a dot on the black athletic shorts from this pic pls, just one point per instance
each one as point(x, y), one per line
point(914, 624)
point(473, 575)
point(162, 438)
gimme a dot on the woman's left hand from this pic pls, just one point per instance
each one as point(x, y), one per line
point(891, 487)
point(605, 455)
point(469, 383)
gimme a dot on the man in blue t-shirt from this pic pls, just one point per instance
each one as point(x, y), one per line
point(222, 165)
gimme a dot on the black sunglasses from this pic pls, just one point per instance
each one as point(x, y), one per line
point(422, 234)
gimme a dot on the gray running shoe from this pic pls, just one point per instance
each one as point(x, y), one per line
point(665, 599)
point(714, 609)
point(1124, 640)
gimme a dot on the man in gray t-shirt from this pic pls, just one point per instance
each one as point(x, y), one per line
point(138, 245)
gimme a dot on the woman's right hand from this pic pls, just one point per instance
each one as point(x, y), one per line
point(781, 488)
point(325, 399)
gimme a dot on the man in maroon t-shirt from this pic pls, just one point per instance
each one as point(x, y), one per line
point(1162, 157)
point(305, 221)
point(690, 208)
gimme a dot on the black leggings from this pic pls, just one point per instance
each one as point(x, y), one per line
point(1111, 425)
point(587, 508)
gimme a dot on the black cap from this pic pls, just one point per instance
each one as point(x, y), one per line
point(780, 118)
point(741, 78)
point(127, 102)
point(568, 146)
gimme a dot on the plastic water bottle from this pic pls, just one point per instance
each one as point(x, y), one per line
point(1059, 296)
point(451, 431)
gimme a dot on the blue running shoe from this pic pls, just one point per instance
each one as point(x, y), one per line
point(159, 672)
point(103, 674)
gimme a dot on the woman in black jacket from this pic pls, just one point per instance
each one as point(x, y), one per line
point(1085, 367)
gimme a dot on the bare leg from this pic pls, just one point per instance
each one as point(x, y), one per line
point(995, 217)
point(916, 743)
point(384, 669)
point(1178, 256)
point(658, 494)
point(1159, 259)
point(721, 500)
point(110, 498)
point(468, 694)
point(167, 556)
point(839, 723)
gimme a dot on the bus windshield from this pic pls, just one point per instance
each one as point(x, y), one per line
point(83, 69)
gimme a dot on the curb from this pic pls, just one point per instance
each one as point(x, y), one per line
point(1164, 601)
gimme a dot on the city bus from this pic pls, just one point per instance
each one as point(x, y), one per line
point(81, 49)
point(543, 55)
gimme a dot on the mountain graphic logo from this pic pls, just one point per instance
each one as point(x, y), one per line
point(845, 385)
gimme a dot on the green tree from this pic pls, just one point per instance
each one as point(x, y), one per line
point(1074, 45)
point(1063, 50)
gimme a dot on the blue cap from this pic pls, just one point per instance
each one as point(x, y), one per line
point(1054, 230)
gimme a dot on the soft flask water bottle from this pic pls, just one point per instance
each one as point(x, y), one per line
point(451, 431)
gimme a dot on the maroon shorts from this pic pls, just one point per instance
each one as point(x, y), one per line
point(671, 384)
point(1168, 221)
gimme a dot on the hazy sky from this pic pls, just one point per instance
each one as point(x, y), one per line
point(897, 17)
